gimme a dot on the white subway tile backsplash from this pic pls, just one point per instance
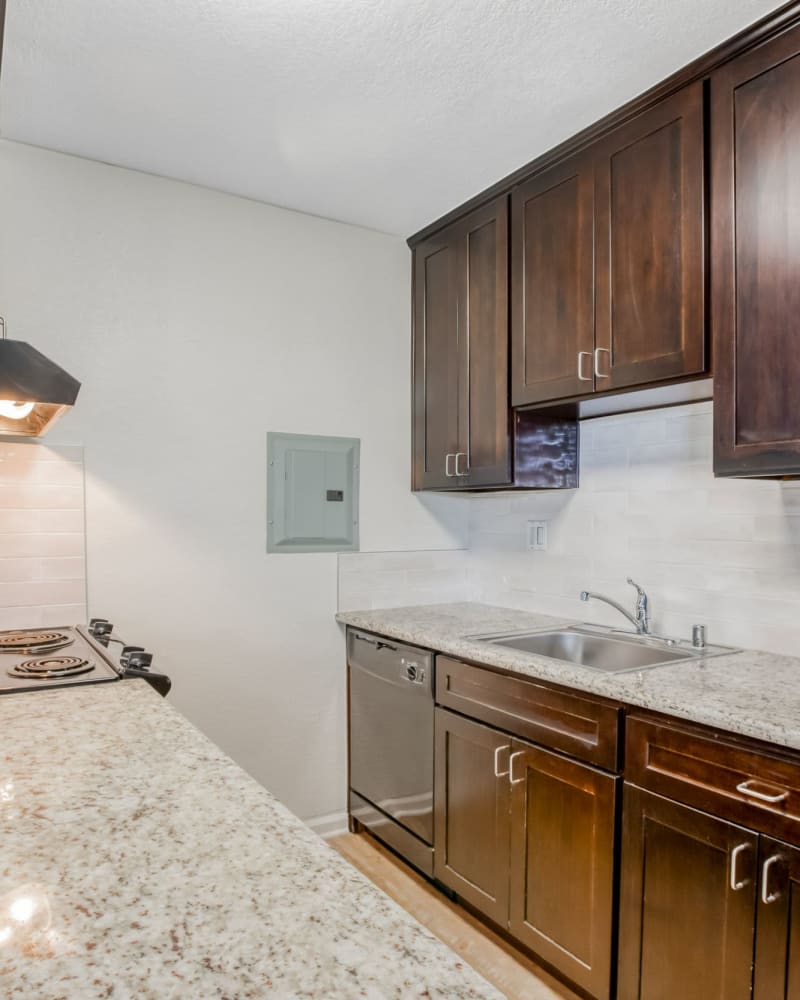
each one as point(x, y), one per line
point(390, 579)
point(71, 521)
point(51, 472)
point(41, 593)
point(778, 528)
point(19, 521)
point(20, 570)
point(721, 551)
point(42, 544)
point(67, 568)
point(33, 545)
point(41, 496)
point(39, 521)
point(42, 616)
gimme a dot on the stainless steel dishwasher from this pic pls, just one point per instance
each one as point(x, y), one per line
point(391, 743)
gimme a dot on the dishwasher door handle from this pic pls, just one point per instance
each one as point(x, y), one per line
point(377, 643)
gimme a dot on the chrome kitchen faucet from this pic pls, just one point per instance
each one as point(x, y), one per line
point(641, 621)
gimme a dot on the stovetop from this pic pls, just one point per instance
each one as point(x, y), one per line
point(32, 659)
point(37, 659)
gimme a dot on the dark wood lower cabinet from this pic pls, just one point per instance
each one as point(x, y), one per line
point(562, 864)
point(709, 901)
point(777, 968)
point(471, 813)
point(687, 918)
point(534, 854)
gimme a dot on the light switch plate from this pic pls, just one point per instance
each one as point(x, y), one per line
point(537, 536)
point(312, 493)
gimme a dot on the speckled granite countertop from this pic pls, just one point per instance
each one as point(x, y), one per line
point(139, 862)
point(751, 693)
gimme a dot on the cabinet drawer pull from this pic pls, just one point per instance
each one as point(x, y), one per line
point(461, 454)
point(497, 772)
point(745, 789)
point(737, 884)
point(447, 471)
point(581, 356)
point(597, 372)
point(768, 897)
point(511, 759)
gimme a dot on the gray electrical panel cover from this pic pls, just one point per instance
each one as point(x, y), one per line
point(312, 493)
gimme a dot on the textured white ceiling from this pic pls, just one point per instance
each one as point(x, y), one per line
point(384, 113)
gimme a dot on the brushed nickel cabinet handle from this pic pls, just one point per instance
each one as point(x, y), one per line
point(511, 759)
point(461, 454)
point(735, 883)
point(598, 351)
point(581, 356)
point(768, 897)
point(497, 772)
point(745, 789)
point(447, 471)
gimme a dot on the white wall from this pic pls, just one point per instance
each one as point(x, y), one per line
point(721, 551)
point(197, 322)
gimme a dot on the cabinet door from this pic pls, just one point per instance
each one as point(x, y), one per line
point(562, 864)
point(777, 971)
point(755, 247)
point(436, 372)
point(471, 813)
point(687, 914)
point(484, 452)
point(650, 280)
point(552, 283)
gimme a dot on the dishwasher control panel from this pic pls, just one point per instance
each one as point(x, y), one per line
point(413, 670)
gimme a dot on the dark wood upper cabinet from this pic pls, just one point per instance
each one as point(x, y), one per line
point(562, 864)
point(608, 261)
point(687, 912)
point(650, 322)
point(552, 275)
point(461, 412)
point(436, 367)
point(484, 451)
point(464, 436)
point(755, 253)
point(673, 220)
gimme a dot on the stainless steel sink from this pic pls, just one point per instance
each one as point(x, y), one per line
point(603, 649)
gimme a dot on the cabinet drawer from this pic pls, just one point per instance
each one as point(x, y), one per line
point(578, 726)
point(738, 784)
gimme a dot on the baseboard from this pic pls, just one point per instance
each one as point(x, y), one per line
point(330, 825)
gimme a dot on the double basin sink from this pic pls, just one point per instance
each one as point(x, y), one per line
point(609, 650)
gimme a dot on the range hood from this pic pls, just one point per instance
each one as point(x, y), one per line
point(34, 391)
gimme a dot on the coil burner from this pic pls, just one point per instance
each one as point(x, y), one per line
point(51, 668)
point(33, 641)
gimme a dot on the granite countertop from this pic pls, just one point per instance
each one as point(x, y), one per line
point(138, 861)
point(752, 693)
